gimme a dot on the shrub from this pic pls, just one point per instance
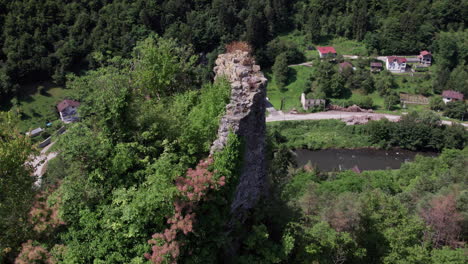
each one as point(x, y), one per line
point(456, 110)
point(365, 102)
point(280, 70)
point(436, 103)
point(238, 45)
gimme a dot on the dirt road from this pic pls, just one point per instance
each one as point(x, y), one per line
point(41, 161)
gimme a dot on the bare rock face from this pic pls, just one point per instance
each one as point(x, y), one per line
point(245, 116)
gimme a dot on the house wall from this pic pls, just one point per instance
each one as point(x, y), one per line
point(395, 66)
point(303, 102)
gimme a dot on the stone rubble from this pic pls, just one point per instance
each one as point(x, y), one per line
point(353, 108)
point(245, 116)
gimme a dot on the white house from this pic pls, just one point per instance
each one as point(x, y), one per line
point(67, 110)
point(308, 103)
point(396, 64)
point(326, 52)
point(425, 57)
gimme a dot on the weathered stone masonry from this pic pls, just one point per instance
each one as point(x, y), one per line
point(245, 116)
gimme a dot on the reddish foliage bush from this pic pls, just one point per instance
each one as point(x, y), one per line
point(344, 214)
point(238, 45)
point(31, 253)
point(444, 219)
point(193, 188)
point(43, 216)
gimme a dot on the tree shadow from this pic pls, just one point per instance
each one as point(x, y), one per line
point(25, 116)
point(35, 114)
point(5, 104)
point(44, 91)
point(347, 93)
point(292, 75)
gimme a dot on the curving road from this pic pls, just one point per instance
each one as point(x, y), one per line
point(39, 163)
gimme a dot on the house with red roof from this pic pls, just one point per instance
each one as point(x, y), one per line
point(451, 95)
point(68, 110)
point(326, 52)
point(396, 64)
point(376, 66)
point(425, 58)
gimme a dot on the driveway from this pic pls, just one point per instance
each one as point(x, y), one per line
point(40, 162)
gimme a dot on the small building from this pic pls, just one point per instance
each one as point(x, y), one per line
point(425, 58)
point(34, 132)
point(326, 52)
point(396, 64)
point(450, 96)
point(309, 103)
point(345, 65)
point(376, 66)
point(68, 110)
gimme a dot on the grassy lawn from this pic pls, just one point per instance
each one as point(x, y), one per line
point(292, 95)
point(345, 46)
point(342, 46)
point(320, 134)
point(38, 106)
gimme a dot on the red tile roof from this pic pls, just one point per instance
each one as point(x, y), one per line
point(376, 64)
point(452, 94)
point(424, 53)
point(400, 60)
point(66, 103)
point(345, 65)
point(325, 50)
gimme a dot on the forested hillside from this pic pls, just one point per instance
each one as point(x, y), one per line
point(136, 179)
point(47, 38)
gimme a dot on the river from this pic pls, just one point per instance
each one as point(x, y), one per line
point(364, 159)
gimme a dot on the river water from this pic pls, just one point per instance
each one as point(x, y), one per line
point(364, 159)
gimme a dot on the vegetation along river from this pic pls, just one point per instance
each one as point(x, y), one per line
point(364, 159)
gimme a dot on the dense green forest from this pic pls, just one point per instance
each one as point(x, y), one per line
point(47, 38)
point(133, 181)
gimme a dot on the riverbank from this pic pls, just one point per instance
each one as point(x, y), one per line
point(320, 134)
point(414, 132)
point(358, 159)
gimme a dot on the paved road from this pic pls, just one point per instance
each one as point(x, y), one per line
point(41, 161)
point(307, 64)
point(273, 117)
point(276, 116)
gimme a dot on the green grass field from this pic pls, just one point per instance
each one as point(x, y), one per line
point(38, 107)
point(342, 46)
point(320, 134)
point(292, 95)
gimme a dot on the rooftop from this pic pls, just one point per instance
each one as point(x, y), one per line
point(452, 94)
point(345, 64)
point(424, 53)
point(325, 50)
point(66, 103)
point(400, 60)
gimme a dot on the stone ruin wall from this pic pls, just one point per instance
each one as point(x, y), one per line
point(245, 116)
